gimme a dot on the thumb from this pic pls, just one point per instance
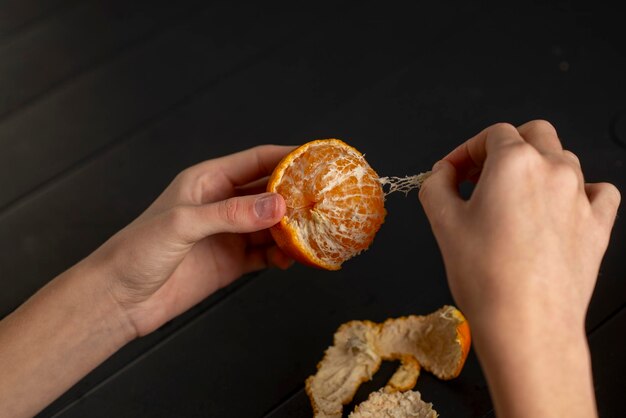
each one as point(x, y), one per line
point(439, 193)
point(243, 214)
point(238, 214)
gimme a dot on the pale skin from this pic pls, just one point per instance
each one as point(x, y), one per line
point(204, 231)
point(521, 263)
point(522, 257)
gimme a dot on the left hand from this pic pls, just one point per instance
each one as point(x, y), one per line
point(204, 231)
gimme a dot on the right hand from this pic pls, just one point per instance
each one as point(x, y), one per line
point(522, 256)
point(531, 237)
point(532, 234)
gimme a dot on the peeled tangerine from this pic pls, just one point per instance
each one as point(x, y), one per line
point(438, 342)
point(335, 203)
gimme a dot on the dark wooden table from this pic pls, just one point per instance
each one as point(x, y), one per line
point(103, 102)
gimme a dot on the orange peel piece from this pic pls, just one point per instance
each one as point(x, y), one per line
point(350, 361)
point(405, 377)
point(439, 342)
point(407, 404)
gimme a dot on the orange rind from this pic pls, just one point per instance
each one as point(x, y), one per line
point(405, 377)
point(350, 361)
point(438, 342)
point(407, 404)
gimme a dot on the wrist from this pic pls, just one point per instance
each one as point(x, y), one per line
point(64, 330)
point(535, 367)
point(92, 284)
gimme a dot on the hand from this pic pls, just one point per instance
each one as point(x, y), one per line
point(532, 234)
point(203, 232)
point(522, 255)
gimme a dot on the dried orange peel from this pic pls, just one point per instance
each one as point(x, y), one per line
point(335, 203)
point(350, 361)
point(438, 342)
point(397, 405)
point(405, 376)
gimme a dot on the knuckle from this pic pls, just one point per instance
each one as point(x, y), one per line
point(520, 154)
point(260, 149)
point(565, 175)
point(541, 125)
point(196, 184)
point(613, 191)
point(572, 157)
point(503, 128)
point(228, 211)
point(519, 159)
point(185, 175)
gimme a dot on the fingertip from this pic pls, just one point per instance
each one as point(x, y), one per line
point(439, 165)
point(241, 214)
point(277, 258)
point(270, 207)
point(442, 171)
point(440, 190)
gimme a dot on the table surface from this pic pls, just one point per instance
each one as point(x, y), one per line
point(103, 102)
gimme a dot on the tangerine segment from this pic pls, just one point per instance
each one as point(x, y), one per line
point(335, 203)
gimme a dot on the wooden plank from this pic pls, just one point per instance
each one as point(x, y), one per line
point(44, 58)
point(300, 90)
point(288, 90)
point(446, 104)
point(271, 355)
point(109, 103)
point(134, 351)
point(465, 397)
point(273, 332)
point(16, 15)
point(262, 342)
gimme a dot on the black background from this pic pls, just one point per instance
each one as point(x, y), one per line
point(103, 102)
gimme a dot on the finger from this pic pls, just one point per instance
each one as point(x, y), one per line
point(573, 158)
point(439, 193)
point(255, 187)
point(605, 199)
point(541, 135)
point(468, 158)
point(262, 237)
point(249, 165)
point(574, 162)
point(278, 258)
point(266, 257)
point(238, 215)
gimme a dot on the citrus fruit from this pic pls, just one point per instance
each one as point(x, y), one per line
point(335, 203)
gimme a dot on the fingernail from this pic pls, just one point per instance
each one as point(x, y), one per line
point(265, 207)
